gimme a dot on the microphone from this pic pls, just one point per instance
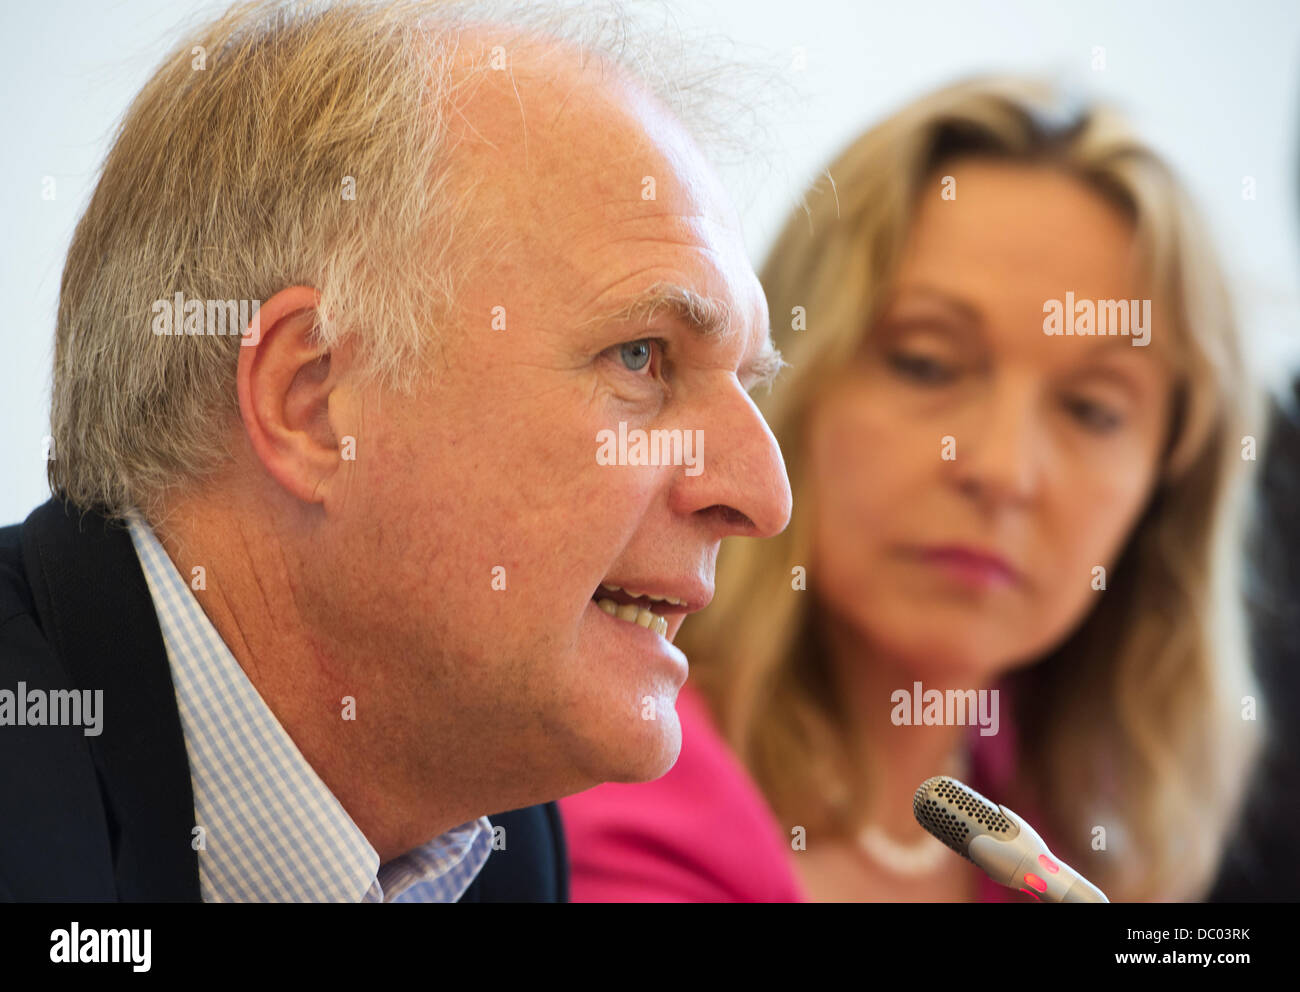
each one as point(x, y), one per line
point(1007, 848)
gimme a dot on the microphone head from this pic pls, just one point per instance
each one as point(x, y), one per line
point(957, 814)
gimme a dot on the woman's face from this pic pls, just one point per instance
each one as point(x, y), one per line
point(971, 563)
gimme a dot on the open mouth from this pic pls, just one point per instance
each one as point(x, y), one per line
point(641, 608)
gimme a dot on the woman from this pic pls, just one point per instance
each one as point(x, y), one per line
point(989, 497)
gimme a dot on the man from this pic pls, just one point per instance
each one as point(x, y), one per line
point(345, 578)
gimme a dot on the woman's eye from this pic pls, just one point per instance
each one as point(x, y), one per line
point(921, 368)
point(1094, 416)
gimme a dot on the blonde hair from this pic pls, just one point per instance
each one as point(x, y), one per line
point(1135, 723)
point(225, 181)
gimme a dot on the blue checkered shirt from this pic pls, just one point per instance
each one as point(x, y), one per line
point(271, 829)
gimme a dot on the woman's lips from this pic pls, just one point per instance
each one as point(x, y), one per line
point(970, 565)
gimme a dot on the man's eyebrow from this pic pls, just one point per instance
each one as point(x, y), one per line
point(705, 315)
point(764, 369)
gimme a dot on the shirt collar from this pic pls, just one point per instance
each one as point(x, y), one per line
point(267, 828)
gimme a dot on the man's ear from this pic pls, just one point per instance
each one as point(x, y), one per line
point(286, 386)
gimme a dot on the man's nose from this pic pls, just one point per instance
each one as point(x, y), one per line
point(742, 486)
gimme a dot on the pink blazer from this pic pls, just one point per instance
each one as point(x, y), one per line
point(703, 832)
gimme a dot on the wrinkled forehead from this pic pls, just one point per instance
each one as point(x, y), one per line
point(561, 143)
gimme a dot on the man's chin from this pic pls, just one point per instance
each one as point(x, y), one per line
point(659, 755)
point(639, 748)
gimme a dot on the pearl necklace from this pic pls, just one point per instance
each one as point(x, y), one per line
point(909, 860)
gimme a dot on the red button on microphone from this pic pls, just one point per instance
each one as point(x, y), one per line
point(1048, 863)
point(1034, 882)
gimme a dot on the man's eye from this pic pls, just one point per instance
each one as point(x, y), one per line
point(636, 356)
point(921, 368)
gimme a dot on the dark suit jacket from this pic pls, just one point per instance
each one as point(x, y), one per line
point(109, 818)
point(1262, 858)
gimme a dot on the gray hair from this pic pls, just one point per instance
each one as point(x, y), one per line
point(203, 194)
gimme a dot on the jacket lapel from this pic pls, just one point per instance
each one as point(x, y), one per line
point(95, 607)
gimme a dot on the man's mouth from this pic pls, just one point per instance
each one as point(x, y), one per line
point(641, 608)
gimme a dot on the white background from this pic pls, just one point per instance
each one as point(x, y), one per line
point(1212, 84)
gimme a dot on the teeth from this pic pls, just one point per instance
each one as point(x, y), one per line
point(635, 614)
point(650, 596)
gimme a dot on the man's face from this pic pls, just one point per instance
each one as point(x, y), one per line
point(485, 524)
